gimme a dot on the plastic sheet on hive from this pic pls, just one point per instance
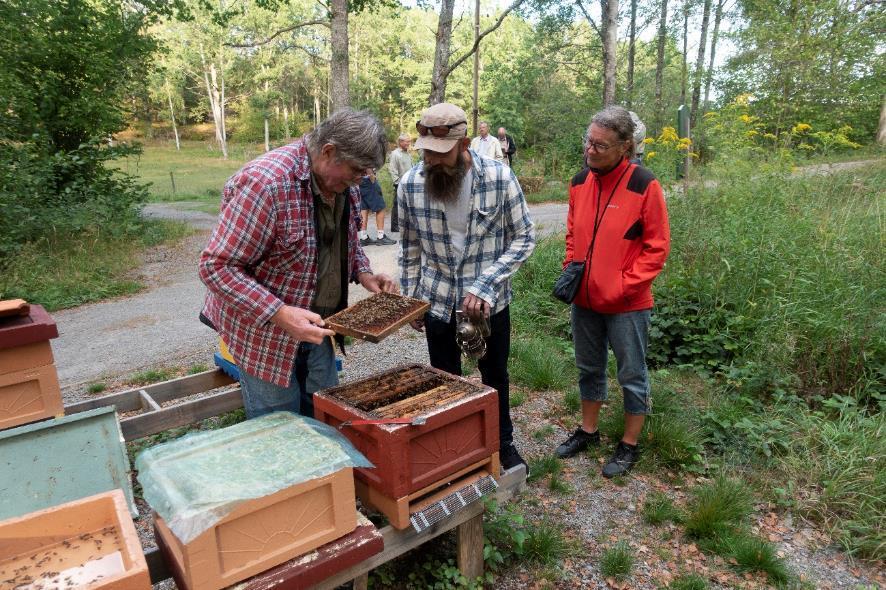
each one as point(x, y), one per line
point(197, 480)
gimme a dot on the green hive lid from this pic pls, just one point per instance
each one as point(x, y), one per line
point(196, 480)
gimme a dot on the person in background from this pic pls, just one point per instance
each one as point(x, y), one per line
point(465, 230)
point(508, 146)
point(639, 136)
point(282, 255)
point(618, 223)
point(485, 145)
point(371, 199)
point(399, 163)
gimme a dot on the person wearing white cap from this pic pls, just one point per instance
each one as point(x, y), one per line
point(464, 231)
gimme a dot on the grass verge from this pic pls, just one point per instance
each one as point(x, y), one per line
point(63, 271)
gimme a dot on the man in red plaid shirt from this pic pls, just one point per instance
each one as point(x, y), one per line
point(282, 256)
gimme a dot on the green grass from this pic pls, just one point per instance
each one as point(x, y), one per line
point(659, 509)
point(95, 388)
point(516, 398)
point(543, 433)
point(198, 169)
point(754, 554)
point(545, 543)
point(536, 363)
point(572, 401)
point(62, 271)
point(541, 467)
point(549, 194)
point(197, 368)
point(150, 376)
point(617, 561)
point(689, 582)
point(717, 506)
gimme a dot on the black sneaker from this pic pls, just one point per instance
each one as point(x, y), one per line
point(366, 241)
point(577, 442)
point(510, 457)
point(622, 460)
point(385, 241)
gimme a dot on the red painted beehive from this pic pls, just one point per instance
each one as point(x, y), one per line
point(460, 428)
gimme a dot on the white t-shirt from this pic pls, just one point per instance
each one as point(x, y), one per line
point(488, 147)
point(458, 212)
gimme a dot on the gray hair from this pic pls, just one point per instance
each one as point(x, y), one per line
point(404, 136)
point(357, 136)
point(617, 119)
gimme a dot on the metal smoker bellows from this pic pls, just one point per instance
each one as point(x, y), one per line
point(471, 334)
point(446, 507)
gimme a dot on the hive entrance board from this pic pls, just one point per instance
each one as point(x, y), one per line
point(377, 316)
point(410, 391)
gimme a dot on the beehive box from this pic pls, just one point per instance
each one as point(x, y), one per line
point(377, 316)
point(239, 500)
point(461, 425)
point(262, 533)
point(29, 388)
point(87, 544)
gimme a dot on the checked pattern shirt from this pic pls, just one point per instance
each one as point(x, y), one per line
point(500, 237)
point(263, 255)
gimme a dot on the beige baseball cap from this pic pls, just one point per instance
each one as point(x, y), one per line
point(440, 127)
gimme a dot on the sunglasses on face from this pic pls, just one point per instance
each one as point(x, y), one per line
point(437, 130)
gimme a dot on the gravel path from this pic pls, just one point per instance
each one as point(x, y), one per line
point(108, 341)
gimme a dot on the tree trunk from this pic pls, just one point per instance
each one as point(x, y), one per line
point(881, 130)
point(632, 46)
point(441, 53)
point(659, 64)
point(710, 73)
point(610, 36)
point(339, 67)
point(684, 81)
point(699, 63)
point(211, 79)
point(178, 146)
point(475, 110)
point(267, 130)
point(221, 98)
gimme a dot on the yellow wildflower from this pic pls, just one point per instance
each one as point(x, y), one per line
point(649, 140)
point(650, 155)
point(805, 146)
point(746, 119)
point(668, 134)
point(710, 114)
point(751, 133)
point(770, 136)
point(801, 128)
point(693, 154)
point(743, 99)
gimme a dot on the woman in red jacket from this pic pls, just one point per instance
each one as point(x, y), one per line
point(618, 224)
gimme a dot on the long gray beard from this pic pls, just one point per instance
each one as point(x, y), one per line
point(443, 183)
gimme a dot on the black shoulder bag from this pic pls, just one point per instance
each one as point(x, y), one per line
point(566, 287)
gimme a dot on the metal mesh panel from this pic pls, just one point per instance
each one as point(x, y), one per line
point(446, 507)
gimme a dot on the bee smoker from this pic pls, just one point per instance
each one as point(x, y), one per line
point(471, 334)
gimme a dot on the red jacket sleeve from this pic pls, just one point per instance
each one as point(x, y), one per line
point(656, 242)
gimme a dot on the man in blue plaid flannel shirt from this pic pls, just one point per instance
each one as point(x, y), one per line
point(465, 230)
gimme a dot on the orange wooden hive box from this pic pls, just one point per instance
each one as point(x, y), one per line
point(89, 544)
point(261, 530)
point(29, 389)
point(460, 425)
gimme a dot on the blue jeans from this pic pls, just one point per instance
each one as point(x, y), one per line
point(627, 334)
point(314, 370)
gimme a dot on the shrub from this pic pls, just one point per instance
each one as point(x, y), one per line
point(545, 543)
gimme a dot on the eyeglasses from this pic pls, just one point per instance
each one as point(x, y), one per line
point(437, 130)
point(599, 147)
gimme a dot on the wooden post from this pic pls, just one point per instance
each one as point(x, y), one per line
point(172, 180)
point(470, 548)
